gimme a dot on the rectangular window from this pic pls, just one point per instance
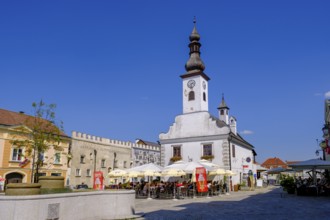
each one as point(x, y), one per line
point(78, 172)
point(57, 158)
point(55, 174)
point(177, 151)
point(207, 150)
point(233, 150)
point(103, 163)
point(88, 173)
point(125, 164)
point(82, 159)
point(115, 164)
point(17, 154)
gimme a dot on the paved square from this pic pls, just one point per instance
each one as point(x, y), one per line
point(265, 203)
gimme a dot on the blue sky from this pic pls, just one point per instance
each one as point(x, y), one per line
point(113, 67)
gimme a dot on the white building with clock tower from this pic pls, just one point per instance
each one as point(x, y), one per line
point(196, 134)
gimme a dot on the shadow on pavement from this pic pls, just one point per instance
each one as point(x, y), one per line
point(274, 204)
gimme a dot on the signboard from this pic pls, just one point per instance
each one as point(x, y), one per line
point(201, 179)
point(98, 180)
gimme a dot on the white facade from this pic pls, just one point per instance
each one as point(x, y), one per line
point(196, 134)
point(198, 86)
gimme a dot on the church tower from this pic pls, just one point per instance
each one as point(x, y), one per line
point(195, 81)
point(223, 111)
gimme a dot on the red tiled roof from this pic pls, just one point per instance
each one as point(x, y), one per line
point(274, 162)
point(10, 118)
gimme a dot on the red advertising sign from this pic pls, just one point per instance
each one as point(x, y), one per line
point(201, 179)
point(98, 180)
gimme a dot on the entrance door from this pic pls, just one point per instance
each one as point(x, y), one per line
point(14, 178)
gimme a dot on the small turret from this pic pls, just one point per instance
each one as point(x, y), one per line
point(223, 111)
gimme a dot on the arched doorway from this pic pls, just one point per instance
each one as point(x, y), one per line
point(14, 178)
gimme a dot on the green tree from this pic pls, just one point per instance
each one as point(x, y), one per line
point(39, 133)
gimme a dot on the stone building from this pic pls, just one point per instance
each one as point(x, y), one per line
point(145, 152)
point(91, 153)
point(196, 134)
point(15, 164)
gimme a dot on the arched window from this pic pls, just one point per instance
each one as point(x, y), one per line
point(204, 96)
point(191, 96)
point(222, 112)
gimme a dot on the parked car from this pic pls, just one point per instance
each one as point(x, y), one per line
point(82, 186)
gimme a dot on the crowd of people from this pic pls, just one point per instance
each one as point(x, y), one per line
point(177, 189)
point(307, 186)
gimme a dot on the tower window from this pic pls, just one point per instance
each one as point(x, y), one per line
point(191, 96)
point(222, 112)
point(204, 96)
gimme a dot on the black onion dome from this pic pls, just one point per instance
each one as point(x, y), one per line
point(194, 63)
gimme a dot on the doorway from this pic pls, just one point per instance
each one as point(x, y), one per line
point(14, 178)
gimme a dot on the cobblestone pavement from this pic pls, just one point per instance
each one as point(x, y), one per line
point(265, 203)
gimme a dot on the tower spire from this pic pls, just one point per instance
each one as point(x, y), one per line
point(194, 66)
point(223, 104)
point(223, 110)
point(194, 63)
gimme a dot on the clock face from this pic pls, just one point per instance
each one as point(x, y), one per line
point(204, 85)
point(191, 84)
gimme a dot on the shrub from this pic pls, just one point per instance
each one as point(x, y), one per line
point(288, 183)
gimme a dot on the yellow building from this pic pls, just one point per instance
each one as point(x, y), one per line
point(15, 163)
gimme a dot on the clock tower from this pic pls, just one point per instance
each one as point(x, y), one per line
point(195, 81)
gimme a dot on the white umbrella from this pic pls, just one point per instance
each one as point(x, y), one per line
point(173, 172)
point(311, 164)
point(208, 163)
point(151, 173)
point(189, 167)
point(134, 174)
point(230, 173)
point(149, 166)
point(117, 173)
point(217, 171)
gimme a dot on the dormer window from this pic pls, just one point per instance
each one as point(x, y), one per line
point(191, 96)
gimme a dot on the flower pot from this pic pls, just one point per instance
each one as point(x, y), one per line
point(22, 189)
point(51, 182)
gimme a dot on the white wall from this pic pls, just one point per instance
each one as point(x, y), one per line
point(79, 206)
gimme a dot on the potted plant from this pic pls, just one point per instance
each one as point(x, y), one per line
point(207, 157)
point(288, 184)
point(175, 158)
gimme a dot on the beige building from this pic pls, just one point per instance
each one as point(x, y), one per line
point(91, 153)
point(15, 163)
